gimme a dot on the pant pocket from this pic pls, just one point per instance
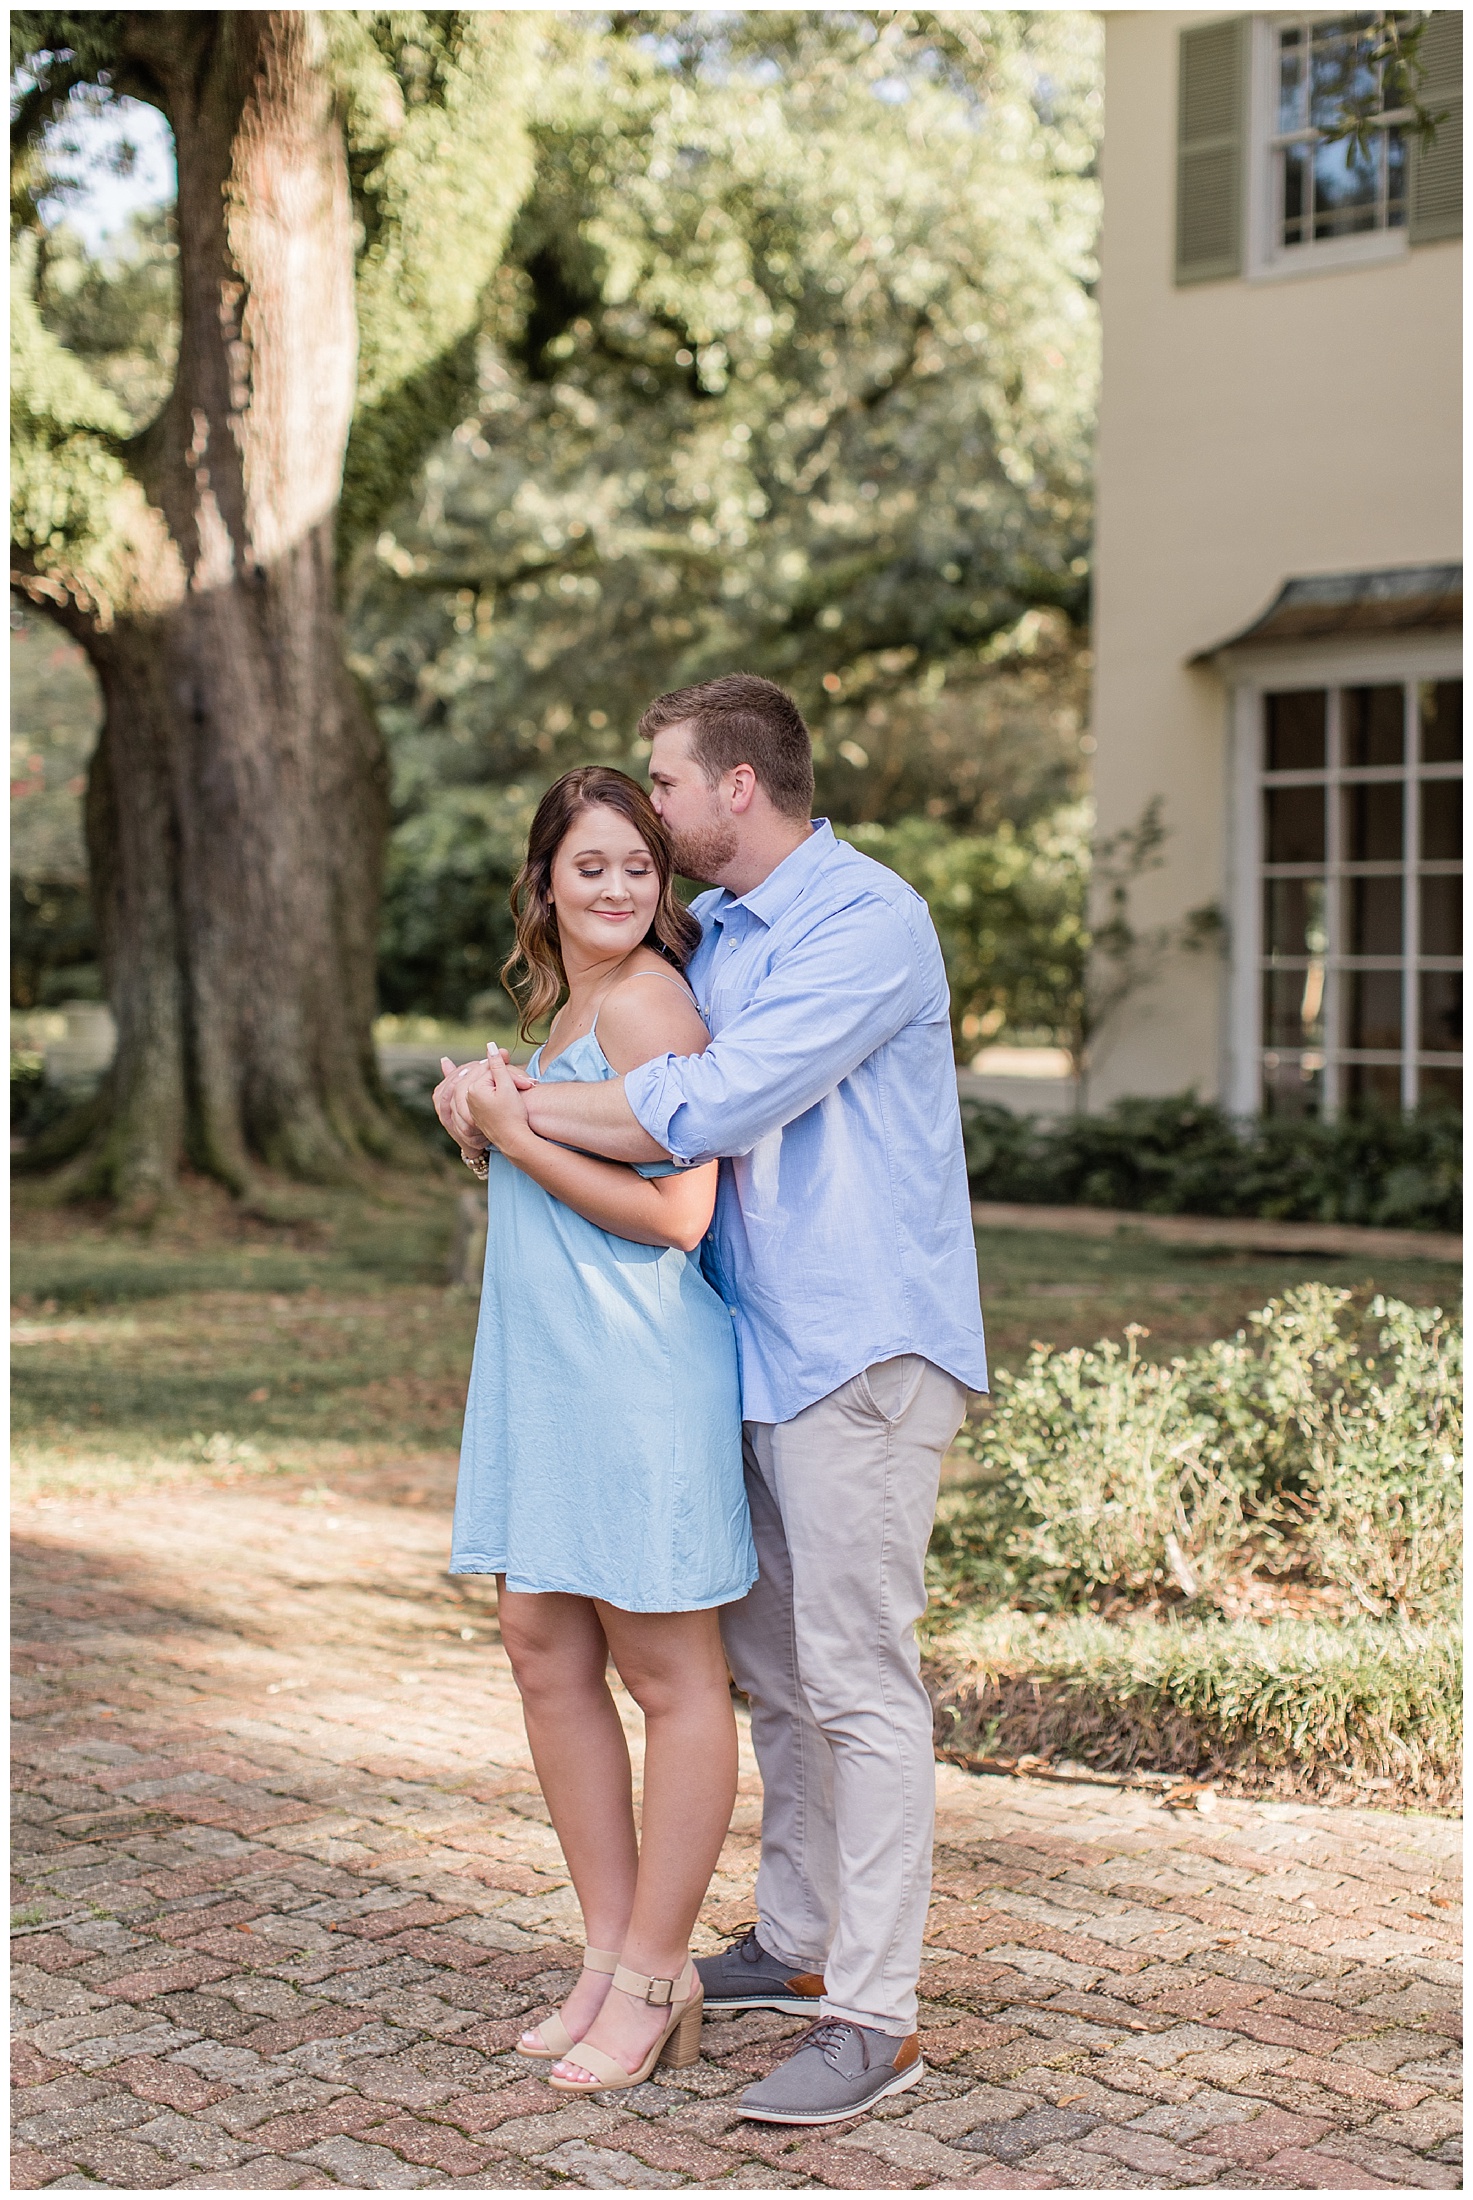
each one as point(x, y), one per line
point(890, 1386)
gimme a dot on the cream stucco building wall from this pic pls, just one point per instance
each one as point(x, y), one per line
point(1252, 429)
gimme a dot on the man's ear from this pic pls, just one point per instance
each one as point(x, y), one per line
point(743, 783)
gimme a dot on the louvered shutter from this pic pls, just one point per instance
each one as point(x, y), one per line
point(1211, 87)
point(1437, 169)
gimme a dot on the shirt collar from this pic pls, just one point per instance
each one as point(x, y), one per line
point(780, 889)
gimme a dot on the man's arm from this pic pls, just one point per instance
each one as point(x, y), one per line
point(828, 1004)
point(596, 1117)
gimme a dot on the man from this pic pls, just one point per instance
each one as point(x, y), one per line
point(842, 1243)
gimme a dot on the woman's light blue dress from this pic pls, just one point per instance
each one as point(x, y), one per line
point(602, 1452)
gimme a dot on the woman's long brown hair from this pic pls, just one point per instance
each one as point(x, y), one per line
point(533, 972)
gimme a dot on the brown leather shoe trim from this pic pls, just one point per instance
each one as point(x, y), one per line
point(908, 2051)
point(807, 1983)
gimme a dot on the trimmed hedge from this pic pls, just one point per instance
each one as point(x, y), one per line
point(1185, 1156)
point(1292, 1707)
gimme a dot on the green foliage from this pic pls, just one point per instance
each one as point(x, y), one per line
point(1107, 1477)
point(1293, 1705)
point(791, 366)
point(438, 156)
point(447, 925)
point(66, 472)
point(54, 709)
point(1184, 1156)
point(439, 160)
point(1010, 911)
point(1382, 1500)
point(117, 314)
point(1100, 1473)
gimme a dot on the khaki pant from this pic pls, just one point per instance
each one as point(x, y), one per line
point(842, 1502)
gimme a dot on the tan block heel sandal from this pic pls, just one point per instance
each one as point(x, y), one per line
point(552, 2038)
point(679, 2044)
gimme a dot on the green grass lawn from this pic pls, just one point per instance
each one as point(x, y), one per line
point(312, 1332)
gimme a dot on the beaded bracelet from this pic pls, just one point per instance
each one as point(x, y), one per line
point(479, 1165)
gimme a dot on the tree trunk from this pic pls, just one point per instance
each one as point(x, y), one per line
point(238, 801)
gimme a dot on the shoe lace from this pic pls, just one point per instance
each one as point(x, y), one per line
point(828, 2035)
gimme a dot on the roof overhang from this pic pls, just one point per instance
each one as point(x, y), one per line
point(1396, 601)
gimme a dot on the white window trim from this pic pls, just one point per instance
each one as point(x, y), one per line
point(1266, 260)
point(1250, 674)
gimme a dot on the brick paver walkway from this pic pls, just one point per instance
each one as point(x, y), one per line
point(288, 1893)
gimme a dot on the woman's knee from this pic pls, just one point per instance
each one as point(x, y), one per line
point(552, 1654)
point(673, 1669)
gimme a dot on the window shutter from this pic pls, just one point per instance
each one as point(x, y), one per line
point(1437, 169)
point(1209, 151)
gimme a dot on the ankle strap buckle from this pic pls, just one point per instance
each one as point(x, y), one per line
point(658, 1993)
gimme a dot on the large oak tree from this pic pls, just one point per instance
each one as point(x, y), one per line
point(345, 185)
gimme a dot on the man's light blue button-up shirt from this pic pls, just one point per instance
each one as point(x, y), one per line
point(843, 1225)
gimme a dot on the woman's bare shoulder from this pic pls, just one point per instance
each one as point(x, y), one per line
point(650, 1011)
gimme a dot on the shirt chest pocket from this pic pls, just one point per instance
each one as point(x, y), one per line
point(736, 986)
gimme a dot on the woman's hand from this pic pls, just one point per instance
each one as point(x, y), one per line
point(495, 1106)
point(449, 1105)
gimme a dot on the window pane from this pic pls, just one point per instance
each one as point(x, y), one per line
point(1442, 915)
point(1442, 820)
point(1341, 69)
point(1370, 1086)
point(1396, 179)
point(1294, 916)
point(1291, 80)
point(1372, 1009)
point(1294, 731)
point(1347, 187)
point(1442, 1011)
point(1374, 722)
point(1440, 707)
point(1372, 823)
point(1293, 1007)
point(1373, 916)
point(1296, 194)
point(1291, 1089)
point(1440, 1088)
point(1295, 821)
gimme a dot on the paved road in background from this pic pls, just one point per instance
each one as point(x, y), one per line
point(288, 1893)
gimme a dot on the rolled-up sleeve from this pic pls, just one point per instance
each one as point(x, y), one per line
point(837, 995)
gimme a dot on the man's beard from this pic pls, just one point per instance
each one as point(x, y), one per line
point(704, 852)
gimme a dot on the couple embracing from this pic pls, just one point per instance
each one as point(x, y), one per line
point(729, 1319)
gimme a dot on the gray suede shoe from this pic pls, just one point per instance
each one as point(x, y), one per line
point(745, 1976)
point(839, 2070)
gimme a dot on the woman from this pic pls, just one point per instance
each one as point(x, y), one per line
point(601, 1473)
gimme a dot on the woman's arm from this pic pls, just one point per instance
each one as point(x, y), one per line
point(636, 1022)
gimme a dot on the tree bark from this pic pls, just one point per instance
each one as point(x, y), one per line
point(238, 802)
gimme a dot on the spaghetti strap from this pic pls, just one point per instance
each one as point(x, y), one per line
point(669, 976)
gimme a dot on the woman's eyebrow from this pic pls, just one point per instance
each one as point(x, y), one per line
point(584, 855)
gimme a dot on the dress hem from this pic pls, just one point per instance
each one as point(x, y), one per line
point(580, 1589)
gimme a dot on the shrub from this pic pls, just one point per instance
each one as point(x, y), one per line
point(1098, 1471)
point(1109, 1476)
point(1184, 1156)
point(1295, 1706)
point(1382, 1502)
point(35, 1105)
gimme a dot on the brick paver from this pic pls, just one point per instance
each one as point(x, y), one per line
point(287, 1893)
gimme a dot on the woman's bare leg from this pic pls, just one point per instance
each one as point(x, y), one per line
point(673, 1666)
point(559, 1655)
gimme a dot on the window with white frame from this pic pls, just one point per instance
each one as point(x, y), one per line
point(1361, 845)
point(1325, 188)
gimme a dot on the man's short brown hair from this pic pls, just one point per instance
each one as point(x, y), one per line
point(743, 719)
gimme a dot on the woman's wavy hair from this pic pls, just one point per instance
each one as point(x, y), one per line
point(533, 972)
